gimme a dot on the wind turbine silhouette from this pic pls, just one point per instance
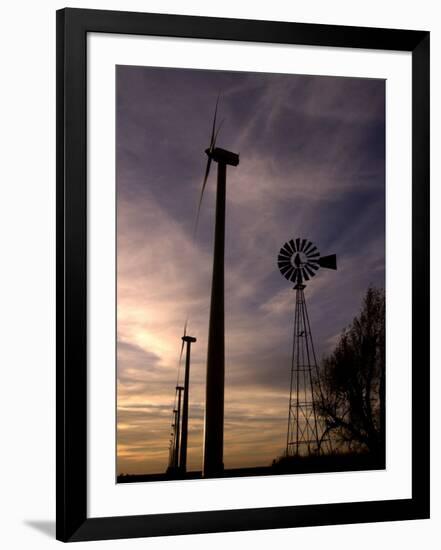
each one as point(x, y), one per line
point(214, 397)
point(184, 427)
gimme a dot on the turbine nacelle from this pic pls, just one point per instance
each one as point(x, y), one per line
point(216, 154)
point(223, 156)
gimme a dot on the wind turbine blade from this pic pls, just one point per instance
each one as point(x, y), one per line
point(182, 350)
point(330, 262)
point(207, 172)
point(213, 138)
point(182, 346)
point(213, 130)
point(216, 134)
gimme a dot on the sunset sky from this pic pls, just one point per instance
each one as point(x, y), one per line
point(312, 165)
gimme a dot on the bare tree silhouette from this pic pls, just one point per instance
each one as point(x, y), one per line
point(352, 381)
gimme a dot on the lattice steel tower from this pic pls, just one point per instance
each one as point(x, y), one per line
point(298, 261)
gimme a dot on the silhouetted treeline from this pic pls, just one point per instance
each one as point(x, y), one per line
point(352, 381)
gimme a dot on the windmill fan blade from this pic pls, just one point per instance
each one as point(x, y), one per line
point(283, 260)
point(284, 270)
point(305, 273)
point(330, 262)
point(308, 246)
point(287, 274)
point(292, 275)
point(299, 260)
point(283, 255)
point(285, 251)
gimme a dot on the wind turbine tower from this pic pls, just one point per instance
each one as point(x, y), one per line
point(184, 428)
point(214, 397)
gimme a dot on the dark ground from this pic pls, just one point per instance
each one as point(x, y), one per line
point(292, 465)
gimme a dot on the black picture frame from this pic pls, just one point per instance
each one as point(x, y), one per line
point(71, 428)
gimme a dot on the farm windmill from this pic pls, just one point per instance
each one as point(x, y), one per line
point(214, 400)
point(299, 261)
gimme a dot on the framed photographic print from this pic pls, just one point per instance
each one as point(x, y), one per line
point(242, 274)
